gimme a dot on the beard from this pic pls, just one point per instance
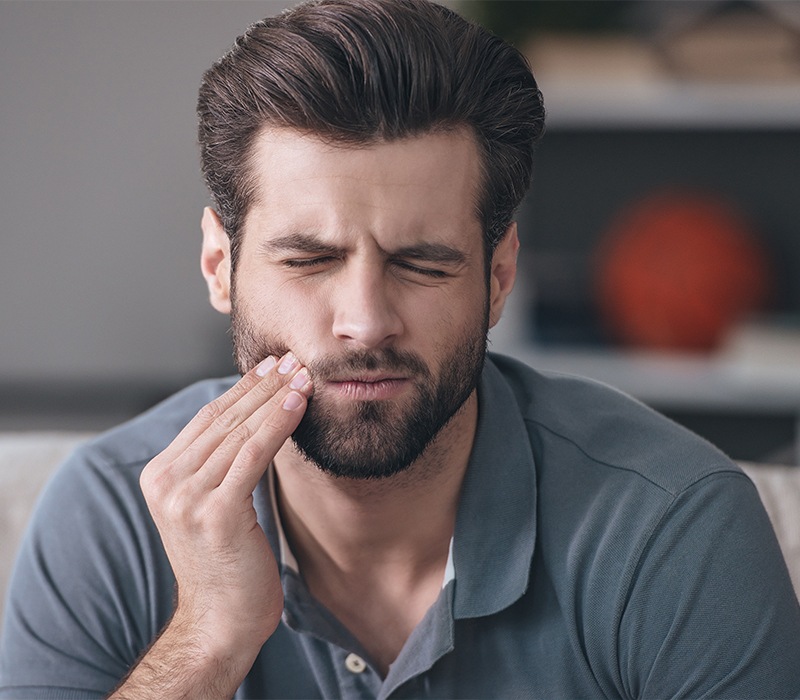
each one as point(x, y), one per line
point(379, 438)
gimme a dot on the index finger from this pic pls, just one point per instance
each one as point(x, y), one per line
point(254, 389)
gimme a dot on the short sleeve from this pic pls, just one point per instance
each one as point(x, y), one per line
point(711, 611)
point(91, 586)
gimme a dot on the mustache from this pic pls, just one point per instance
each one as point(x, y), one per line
point(384, 360)
point(381, 360)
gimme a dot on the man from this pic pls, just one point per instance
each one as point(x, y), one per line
point(439, 524)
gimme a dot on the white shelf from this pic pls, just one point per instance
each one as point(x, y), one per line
point(677, 381)
point(671, 104)
point(757, 372)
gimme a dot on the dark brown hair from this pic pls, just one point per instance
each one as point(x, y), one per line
point(361, 71)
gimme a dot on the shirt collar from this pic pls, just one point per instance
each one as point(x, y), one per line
point(495, 530)
point(286, 558)
point(490, 554)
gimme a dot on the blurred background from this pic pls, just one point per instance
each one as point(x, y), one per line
point(661, 232)
point(661, 235)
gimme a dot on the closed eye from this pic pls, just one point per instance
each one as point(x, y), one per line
point(416, 269)
point(309, 262)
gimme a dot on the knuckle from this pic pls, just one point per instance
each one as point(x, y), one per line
point(236, 438)
point(152, 481)
point(251, 451)
point(240, 434)
point(211, 412)
point(213, 519)
point(226, 421)
point(183, 510)
point(194, 455)
point(146, 477)
point(271, 383)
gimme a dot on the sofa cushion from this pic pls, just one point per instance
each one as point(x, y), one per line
point(779, 488)
point(26, 461)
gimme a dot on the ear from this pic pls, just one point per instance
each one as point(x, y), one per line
point(215, 261)
point(504, 272)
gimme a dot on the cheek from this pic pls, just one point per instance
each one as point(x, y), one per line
point(466, 306)
point(275, 305)
point(299, 321)
point(460, 318)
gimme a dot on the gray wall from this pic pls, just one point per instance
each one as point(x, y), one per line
point(101, 196)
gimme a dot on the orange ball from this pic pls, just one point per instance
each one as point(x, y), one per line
point(676, 270)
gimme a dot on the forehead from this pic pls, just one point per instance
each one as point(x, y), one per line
point(419, 186)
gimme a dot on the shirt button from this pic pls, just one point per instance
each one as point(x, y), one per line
point(355, 664)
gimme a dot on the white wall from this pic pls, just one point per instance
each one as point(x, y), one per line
point(100, 191)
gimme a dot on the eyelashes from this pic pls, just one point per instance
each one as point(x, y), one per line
point(308, 262)
point(322, 261)
point(426, 271)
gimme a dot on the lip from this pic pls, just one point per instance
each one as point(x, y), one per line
point(369, 388)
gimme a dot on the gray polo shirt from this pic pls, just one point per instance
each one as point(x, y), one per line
point(599, 551)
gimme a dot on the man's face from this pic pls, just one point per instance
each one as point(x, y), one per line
point(368, 264)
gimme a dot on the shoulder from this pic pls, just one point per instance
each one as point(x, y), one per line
point(629, 503)
point(92, 585)
point(577, 420)
point(102, 474)
point(143, 437)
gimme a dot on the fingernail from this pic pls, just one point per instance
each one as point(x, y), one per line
point(265, 366)
point(288, 363)
point(293, 401)
point(300, 379)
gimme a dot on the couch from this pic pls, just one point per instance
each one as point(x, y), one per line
point(28, 459)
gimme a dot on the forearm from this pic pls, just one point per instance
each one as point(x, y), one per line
point(187, 663)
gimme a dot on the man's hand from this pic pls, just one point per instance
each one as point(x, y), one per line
point(200, 493)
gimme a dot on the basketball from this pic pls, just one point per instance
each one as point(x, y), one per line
point(675, 270)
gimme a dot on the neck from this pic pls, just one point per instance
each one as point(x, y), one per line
point(375, 552)
point(350, 521)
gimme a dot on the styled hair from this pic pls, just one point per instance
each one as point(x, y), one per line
point(357, 72)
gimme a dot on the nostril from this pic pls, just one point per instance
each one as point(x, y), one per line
point(365, 310)
point(367, 329)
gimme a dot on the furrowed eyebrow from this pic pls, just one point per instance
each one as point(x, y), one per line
point(298, 243)
point(432, 252)
point(310, 244)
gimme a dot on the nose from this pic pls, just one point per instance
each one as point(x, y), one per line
point(365, 312)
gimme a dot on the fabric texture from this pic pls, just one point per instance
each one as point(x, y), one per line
point(600, 550)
